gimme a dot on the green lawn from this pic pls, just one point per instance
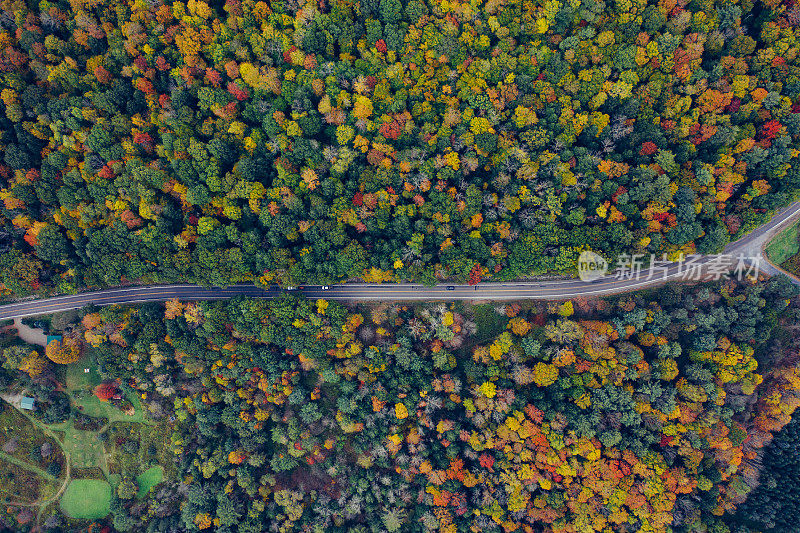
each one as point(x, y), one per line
point(784, 245)
point(78, 379)
point(93, 406)
point(149, 479)
point(88, 499)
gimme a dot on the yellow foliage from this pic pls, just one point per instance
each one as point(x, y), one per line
point(400, 411)
point(376, 275)
point(544, 374)
point(487, 389)
point(480, 125)
point(447, 320)
point(519, 326)
point(363, 107)
point(63, 353)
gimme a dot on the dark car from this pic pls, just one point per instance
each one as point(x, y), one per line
point(451, 287)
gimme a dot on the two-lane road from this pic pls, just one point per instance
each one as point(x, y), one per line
point(750, 245)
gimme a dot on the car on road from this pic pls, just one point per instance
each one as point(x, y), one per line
point(325, 287)
point(450, 287)
point(291, 288)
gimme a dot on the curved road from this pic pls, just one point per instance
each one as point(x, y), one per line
point(748, 246)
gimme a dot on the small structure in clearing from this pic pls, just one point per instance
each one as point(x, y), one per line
point(27, 403)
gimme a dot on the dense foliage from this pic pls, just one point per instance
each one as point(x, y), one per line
point(384, 139)
point(633, 414)
point(772, 506)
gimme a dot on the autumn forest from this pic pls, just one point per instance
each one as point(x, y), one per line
point(435, 141)
point(384, 140)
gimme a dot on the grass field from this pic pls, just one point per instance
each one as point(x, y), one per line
point(784, 245)
point(149, 479)
point(84, 448)
point(78, 379)
point(87, 499)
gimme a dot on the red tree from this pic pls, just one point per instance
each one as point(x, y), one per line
point(105, 391)
point(475, 275)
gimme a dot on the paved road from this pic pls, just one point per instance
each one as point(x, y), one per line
point(749, 245)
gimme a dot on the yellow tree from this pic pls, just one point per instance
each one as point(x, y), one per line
point(65, 352)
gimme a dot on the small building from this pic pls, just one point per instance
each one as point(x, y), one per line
point(26, 402)
point(51, 338)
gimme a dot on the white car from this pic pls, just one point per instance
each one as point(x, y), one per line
point(291, 288)
point(325, 287)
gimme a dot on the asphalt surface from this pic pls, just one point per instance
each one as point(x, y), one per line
point(707, 266)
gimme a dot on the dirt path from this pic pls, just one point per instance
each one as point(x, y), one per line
point(26, 466)
point(43, 505)
point(67, 460)
point(29, 334)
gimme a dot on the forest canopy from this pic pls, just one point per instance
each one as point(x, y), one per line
point(640, 413)
point(294, 141)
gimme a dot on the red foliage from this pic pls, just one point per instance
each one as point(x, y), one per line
point(475, 275)
point(374, 157)
point(142, 138)
point(237, 92)
point(372, 81)
point(145, 86)
point(287, 55)
point(106, 391)
point(390, 130)
point(213, 77)
point(534, 413)
point(358, 199)
point(106, 172)
point(770, 129)
point(734, 106)
point(648, 148)
point(162, 64)
point(487, 462)
point(381, 46)
point(666, 440)
point(539, 319)
point(102, 75)
point(140, 62)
